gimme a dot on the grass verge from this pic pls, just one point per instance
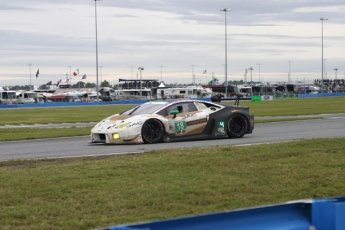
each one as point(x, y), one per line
point(14, 134)
point(41, 133)
point(286, 107)
point(86, 193)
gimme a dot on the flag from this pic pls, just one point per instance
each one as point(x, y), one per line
point(38, 72)
point(75, 74)
point(67, 80)
point(204, 71)
point(84, 76)
point(78, 71)
point(49, 83)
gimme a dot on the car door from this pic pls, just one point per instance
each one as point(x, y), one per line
point(189, 120)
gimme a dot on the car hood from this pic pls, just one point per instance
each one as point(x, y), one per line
point(118, 121)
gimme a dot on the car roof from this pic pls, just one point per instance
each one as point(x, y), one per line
point(175, 100)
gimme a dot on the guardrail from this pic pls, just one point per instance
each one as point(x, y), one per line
point(317, 214)
point(320, 95)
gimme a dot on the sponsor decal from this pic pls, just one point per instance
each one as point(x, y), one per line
point(171, 127)
point(134, 124)
point(221, 130)
point(121, 126)
point(219, 133)
point(188, 116)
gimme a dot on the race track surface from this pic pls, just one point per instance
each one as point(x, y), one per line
point(332, 126)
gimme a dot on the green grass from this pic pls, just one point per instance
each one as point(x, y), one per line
point(291, 107)
point(283, 107)
point(41, 133)
point(86, 193)
point(59, 115)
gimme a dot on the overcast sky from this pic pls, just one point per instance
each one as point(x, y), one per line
point(182, 36)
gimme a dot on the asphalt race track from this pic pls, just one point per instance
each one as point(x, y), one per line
point(332, 126)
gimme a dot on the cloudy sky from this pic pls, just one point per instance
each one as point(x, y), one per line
point(182, 36)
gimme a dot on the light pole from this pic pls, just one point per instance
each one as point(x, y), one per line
point(97, 87)
point(100, 67)
point(161, 72)
point(289, 76)
point(245, 77)
point(70, 75)
point(251, 78)
point(131, 71)
point(324, 68)
point(140, 68)
point(226, 54)
point(335, 72)
point(259, 71)
point(30, 75)
point(193, 80)
point(322, 19)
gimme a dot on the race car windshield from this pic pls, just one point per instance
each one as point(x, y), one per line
point(143, 109)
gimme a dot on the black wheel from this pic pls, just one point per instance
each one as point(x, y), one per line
point(152, 131)
point(237, 126)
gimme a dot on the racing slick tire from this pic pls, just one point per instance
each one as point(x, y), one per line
point(237, 126)
point(152, 131)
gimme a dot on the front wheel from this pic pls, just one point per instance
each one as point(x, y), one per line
point(152, 131)
point(237, 126)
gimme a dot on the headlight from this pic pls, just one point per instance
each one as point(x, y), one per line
point(116, 136)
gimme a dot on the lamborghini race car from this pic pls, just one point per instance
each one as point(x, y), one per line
point(174, 120)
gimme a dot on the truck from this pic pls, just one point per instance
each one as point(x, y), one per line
point(8, 97)
point(26, 97)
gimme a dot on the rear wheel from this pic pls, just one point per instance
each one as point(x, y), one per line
point(237, 126)
point(152, 131)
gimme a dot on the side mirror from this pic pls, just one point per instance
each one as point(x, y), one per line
point(174, 112)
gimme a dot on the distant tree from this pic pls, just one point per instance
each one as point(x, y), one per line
point(21, 87)
point(241, 82)
point(105, 84)
point(80, 84)
point(90, 85)
point(75, 86)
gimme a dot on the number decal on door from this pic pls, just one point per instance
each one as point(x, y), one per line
point(180, 127)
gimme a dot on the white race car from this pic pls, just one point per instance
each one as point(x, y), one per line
point(174, 120)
